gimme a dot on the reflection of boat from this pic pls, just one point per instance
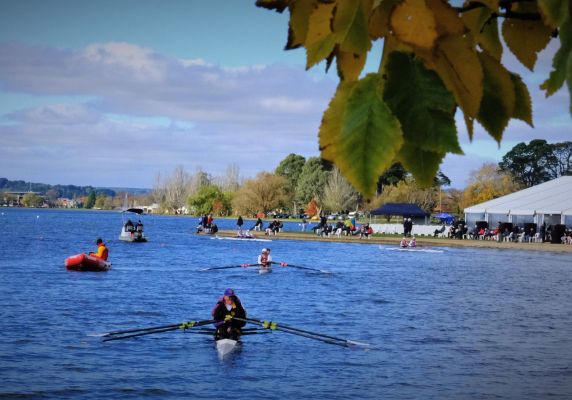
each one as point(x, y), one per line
point(84, 262)
point(225, 346)
point(242, 238)
point(132, 232)
point(266, 270)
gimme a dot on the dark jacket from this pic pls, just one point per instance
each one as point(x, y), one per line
point(219, 312)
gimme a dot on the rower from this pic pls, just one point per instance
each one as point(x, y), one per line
point(412, 242)
point(228, 307)
point(102, 251)
point(404, 242)
point(265, 259)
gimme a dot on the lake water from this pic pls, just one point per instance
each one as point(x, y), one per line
point(461, 324)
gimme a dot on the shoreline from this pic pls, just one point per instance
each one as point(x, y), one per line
point(421, 241)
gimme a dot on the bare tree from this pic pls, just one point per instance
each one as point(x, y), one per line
point(230, 182)
point(177, 189)
point(338, 193)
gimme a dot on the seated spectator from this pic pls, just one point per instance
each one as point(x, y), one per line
point(439, 231)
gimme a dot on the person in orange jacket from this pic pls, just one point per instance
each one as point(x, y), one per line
point(102, 251)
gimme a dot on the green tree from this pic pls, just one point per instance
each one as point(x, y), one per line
point(530, 164)
point(291, 168)
point(563, 154)
point(90, 202)
point(436, 58)
point(391, 176)
point(210, 199)
point(312, 180)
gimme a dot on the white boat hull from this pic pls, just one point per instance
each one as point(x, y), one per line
point(225, 346)
point(262, 271)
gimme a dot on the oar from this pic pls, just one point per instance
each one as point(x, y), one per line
point(300, 332)
point(282, 264)
point(117, 335)
point(230, 266)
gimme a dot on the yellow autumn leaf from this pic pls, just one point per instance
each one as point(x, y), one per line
point(350, 65)
point(485, 30)
point(300, 12)
point(458, 65)
point(448, 20)
point(379, 18)
point(320, 40)
point(525, 39)
point(413, 22)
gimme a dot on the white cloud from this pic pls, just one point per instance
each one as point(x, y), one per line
point(141, 113)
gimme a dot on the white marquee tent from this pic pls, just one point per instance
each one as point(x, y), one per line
point(549, 202)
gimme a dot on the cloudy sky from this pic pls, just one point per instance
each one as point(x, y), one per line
point(112, 93)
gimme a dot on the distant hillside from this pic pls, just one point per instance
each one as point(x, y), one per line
point(68, 191)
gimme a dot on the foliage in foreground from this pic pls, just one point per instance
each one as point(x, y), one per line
point(436, 58)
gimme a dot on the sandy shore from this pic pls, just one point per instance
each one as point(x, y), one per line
point(421, 241)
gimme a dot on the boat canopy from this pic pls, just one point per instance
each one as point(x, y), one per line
point(134, 210)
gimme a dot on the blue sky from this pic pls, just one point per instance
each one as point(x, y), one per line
point(112, 93)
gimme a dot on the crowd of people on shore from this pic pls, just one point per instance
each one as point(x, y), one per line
point(508, 232)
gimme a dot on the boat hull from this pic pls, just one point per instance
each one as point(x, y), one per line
point(262, 271)
point(225, 346)
point(86, 263)
point(134, 237)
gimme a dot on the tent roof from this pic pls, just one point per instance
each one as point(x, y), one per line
point(403, 209)
point(552, 197)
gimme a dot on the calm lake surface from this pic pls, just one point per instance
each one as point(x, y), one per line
point(458, 324)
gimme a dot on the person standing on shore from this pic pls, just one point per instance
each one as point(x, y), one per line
point(239, 223)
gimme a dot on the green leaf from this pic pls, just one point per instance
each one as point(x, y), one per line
point(359, 133)
point(523, 103)
point(424, 107)
point(555, 12)
point(498, 102)
point(560, 61)
point(351, 27)
point(421, 163)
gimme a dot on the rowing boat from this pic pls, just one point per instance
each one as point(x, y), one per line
point(414, 249)
point(264, 270)
point(225, 346)
point(242, 238)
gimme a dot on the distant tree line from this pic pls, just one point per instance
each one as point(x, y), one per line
point(312, 186)
point(67, 191)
